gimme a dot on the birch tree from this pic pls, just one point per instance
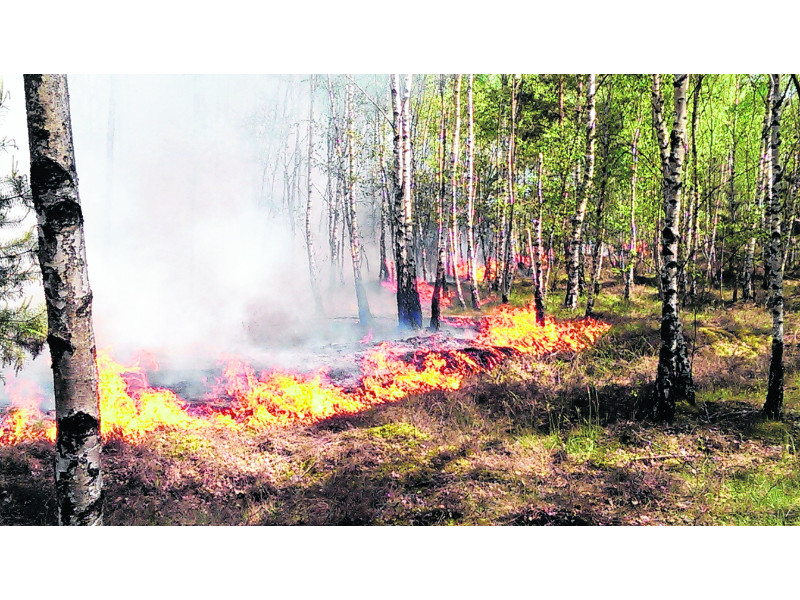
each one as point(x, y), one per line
point(364, 315)
point(774, 174)
point(632, 251)
point(312, 272)
point(674, 378)
point(538, 284)
point(454, 189)
point(584, 192)
point(409, 309)
point(439, 283)
point(509, 262)
point(476, 302)
point(68, 297)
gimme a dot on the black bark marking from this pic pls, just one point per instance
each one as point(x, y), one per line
point(58, 347)
point(85, 307)
point(74, 431)
point(47, 174)
point(774, 404)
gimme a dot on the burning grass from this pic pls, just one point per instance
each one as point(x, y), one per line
point(132, 410)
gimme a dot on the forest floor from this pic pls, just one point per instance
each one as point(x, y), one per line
point(545, 441)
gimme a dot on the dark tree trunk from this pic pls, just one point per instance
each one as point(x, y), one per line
point(68, 296)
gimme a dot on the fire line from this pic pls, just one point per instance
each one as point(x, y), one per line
point(131, 410)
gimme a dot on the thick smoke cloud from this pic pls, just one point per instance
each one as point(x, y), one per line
point(189, 256)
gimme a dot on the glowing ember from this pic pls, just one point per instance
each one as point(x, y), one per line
point(131, 410)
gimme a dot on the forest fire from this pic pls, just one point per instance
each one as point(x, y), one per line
point(130, 409)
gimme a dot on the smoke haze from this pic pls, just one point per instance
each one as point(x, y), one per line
point(190, 251)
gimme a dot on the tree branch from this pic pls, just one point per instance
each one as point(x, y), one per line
point(375, 104)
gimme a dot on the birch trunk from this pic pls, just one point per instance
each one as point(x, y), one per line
point(538, 288)
point(599, 225)
point(585, 191)
point(509, 263)
point(476, 301)
point(309, 239)
point(364, 315)
point(632, 250)
point(674, 379)
point(409, 310)
point(694, 233)
point(68, 296)
point(438, 285)
point(335, 157)
point(454, 245)
point(774, 402)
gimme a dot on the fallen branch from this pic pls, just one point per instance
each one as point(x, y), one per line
point(664, 457)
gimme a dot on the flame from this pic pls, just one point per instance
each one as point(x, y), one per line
point(280, 399)
point(481, 274)
point(24, 421)
point(517, 328)
point(131, 410)
point(425, 291)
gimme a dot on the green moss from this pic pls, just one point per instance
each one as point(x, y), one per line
point(402, 432)
point(773, 432)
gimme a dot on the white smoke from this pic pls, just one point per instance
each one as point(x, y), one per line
point(189, 257)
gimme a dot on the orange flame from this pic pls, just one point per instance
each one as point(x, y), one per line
point(24, 421)
point(131, 410)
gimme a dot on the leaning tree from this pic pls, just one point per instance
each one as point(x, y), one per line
point(68, 297)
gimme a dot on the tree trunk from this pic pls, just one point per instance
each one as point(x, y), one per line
point(632, 250)
point(454, 245)
point(383, 274)
point(309, 240)
point(774, 402)
point(476, 301)
point(674, 379)
point(694, 233)
point(585, 191)
point(599, 221)
point(409, 310)
point(438, 285)
point(68, 296)
point(538, 287)
point(509, 263)
point(335, 158)
point(364, 315)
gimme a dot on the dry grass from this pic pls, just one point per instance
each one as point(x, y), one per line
point(546, 442)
